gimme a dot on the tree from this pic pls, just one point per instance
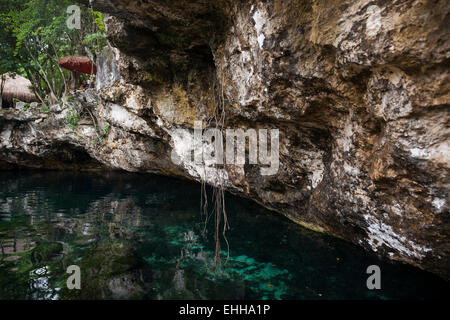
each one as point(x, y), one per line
point(35, 36)
point(7, 46)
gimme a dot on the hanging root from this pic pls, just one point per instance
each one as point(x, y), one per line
point(219, 210)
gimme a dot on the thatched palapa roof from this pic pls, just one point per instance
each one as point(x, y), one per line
point(17, 87)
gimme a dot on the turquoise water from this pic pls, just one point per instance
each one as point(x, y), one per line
point(138, 236)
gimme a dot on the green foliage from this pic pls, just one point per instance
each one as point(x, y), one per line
point(7, 42)
point(96, 41)
point(99, 20)
point(72, 119)
point(106, 129)
point(44, 109)
point(35, 36)
point(26, 106)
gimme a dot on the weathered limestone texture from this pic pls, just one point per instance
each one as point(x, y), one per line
point(359, 90)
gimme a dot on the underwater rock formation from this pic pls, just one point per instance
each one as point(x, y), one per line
point(359, 91)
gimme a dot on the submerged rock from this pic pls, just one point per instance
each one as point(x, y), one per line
point(357, 89)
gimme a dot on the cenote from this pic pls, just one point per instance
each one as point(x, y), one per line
point(137, 236)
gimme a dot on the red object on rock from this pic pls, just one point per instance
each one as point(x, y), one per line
point(79, 64)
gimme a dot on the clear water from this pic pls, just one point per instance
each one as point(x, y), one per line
point(139, 236)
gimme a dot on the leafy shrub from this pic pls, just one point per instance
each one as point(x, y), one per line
point(106, 128)
point(44, 109)
point(72, 119)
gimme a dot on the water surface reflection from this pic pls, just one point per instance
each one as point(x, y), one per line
point(140, 237)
